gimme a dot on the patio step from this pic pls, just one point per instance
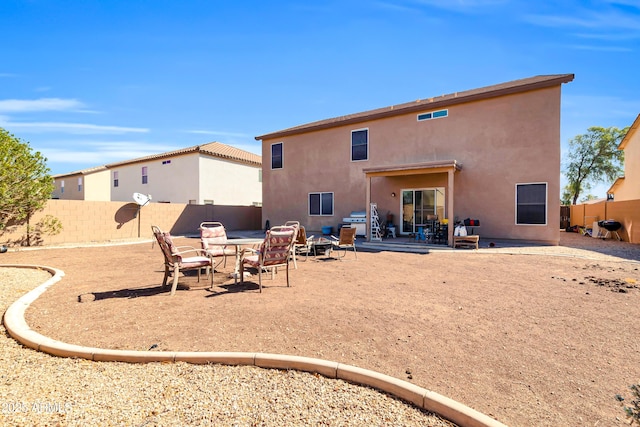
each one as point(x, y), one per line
point(403, 247)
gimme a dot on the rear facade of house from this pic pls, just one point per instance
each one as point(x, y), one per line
point(491, 154)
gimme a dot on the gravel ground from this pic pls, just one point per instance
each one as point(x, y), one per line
point(42, 390)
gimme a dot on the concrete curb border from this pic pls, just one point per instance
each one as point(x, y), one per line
point(17, 327)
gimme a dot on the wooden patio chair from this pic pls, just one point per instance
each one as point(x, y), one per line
point(274, 252)
point(346, 241)
point(175, 261)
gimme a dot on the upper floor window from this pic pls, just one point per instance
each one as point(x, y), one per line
point(321, 204)
point(144, 175)
point(359, 144)
point(433, 115)
point(166, 162)
point(80, 184)
point(62, 186)
point(276, 156)
point(531, 204)
point(115, 178)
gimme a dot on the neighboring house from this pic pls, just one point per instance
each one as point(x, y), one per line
point(491, 154)
point(87, 184)
point(627, 187)
point(212, 173)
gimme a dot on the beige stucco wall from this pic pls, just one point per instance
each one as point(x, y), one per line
point(175, 182)
point(226, 182)
point(499, 142)
point(190, 177)
point(66, 188)
point(630, 187)
point(96, 186)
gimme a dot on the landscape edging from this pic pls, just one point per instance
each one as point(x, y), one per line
point(17, 327)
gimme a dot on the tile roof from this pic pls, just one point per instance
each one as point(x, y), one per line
point(213, 149)
point(87, 171)
point(515, 86)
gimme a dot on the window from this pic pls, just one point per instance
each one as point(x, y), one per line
point(145, 178)
point(359, 144)
point(115, 178)
point(531, 204)
point(166, 162)
point(433, 115)
point(259, 175)
point(321, 204)
point(62, 186)
point(276, 156)
point(80, 184)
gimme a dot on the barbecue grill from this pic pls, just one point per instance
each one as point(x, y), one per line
point(612, 227)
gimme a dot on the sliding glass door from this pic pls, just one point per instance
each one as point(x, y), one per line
point(418, 205)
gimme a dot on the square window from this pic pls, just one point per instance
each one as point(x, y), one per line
point(359, 144)
point(531, 204)
point(276, 156)
point(321, 204)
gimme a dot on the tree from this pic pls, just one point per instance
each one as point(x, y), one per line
point(593, 158)
point(25, 181)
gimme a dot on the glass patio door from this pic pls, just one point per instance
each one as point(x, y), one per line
point(418, 204)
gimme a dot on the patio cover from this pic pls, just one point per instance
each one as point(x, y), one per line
point(438, 166)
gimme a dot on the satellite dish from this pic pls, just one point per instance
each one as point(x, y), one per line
point(141, 199)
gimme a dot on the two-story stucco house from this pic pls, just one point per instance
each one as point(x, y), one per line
point(212, 173)
point(491, 154)
point(627, 187)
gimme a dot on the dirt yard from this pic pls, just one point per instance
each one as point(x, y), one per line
point(543, 336)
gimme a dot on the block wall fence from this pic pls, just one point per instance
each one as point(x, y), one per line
point(90, 221)
point(626, 212)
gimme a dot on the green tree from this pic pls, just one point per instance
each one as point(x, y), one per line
point(593, 158)
point(25, 181)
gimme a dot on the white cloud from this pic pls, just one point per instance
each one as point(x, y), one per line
point(72, 128)
point(100, 152)
point(220, 133)
point(42, 104)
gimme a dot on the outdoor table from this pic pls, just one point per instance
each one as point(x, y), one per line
point(238, 243)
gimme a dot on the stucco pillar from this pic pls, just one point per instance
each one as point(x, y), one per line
point(450, 213)
point(368, 208)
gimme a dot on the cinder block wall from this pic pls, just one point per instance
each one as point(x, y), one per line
point(626, 212)
point(89, 221)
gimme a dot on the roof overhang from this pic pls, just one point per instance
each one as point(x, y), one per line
point(438, 166)
point(616, 185)
point(630, 132)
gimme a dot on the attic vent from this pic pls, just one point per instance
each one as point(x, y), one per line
point(433, 115)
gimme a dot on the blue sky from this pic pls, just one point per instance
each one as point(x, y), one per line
point(92, 82)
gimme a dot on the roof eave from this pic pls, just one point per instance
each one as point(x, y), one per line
point(431, 103)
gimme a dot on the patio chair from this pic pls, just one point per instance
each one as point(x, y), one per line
point(213, 237)
point(296, 226)
point(346, 241)
point(175, 261)
point(274, 252)
point(303, 245)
